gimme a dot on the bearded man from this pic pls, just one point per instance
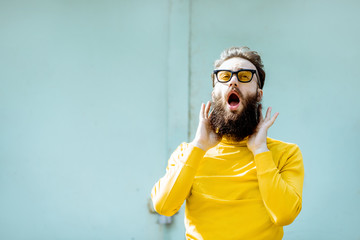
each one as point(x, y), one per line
point(237, 182)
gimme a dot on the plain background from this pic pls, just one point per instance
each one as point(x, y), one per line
point(95, 95)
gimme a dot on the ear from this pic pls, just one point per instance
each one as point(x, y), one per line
point(259, 95)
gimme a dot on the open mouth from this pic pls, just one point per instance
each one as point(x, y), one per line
point(233, 100)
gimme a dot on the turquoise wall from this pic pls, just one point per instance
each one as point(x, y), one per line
point(95, 95)
point(83, 118)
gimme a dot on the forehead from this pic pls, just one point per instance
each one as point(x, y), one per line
point(237, 63)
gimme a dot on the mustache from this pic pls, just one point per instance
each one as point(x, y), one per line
point(224, 99)
point(234, 89)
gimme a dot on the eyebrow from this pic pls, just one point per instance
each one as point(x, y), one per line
point(238, 69)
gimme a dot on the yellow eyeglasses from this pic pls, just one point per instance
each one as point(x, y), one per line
point(243, 75)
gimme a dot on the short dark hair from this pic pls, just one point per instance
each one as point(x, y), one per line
point(245, 53)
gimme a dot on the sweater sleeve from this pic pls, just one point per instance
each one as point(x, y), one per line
point(281, 189)
point(169, 193)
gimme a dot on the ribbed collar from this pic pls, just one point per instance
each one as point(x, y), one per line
point(227, 141)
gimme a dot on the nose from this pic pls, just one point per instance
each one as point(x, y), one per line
point(233, 81)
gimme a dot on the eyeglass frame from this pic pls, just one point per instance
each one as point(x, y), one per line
point(236, 72)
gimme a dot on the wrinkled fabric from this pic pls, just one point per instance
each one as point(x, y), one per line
point(229, 193)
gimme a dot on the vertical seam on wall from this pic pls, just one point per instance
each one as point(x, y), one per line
point(166, 232)
point(167, 78)
point(189, 72)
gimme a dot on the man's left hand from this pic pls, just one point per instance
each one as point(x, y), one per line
point(257, 142)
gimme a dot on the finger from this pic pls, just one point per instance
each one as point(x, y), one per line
point(212, 110)
point(261, 118)
point(201, 115)
point(207, 109)
point(268, 113)
point(272, 120)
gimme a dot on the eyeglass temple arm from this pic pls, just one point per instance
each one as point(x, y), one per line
point(258, 78)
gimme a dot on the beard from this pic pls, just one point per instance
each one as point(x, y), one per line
point(232, 124)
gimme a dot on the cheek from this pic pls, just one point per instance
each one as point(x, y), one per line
point(218, 94)
point(215, 96)
point(248, 90)
point(216, 91)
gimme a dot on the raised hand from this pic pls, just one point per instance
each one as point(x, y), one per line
point(257, 142)
point(205, 137)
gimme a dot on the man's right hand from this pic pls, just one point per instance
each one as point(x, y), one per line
point(205, 137)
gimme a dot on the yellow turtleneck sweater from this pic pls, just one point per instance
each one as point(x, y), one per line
point(229, 193)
